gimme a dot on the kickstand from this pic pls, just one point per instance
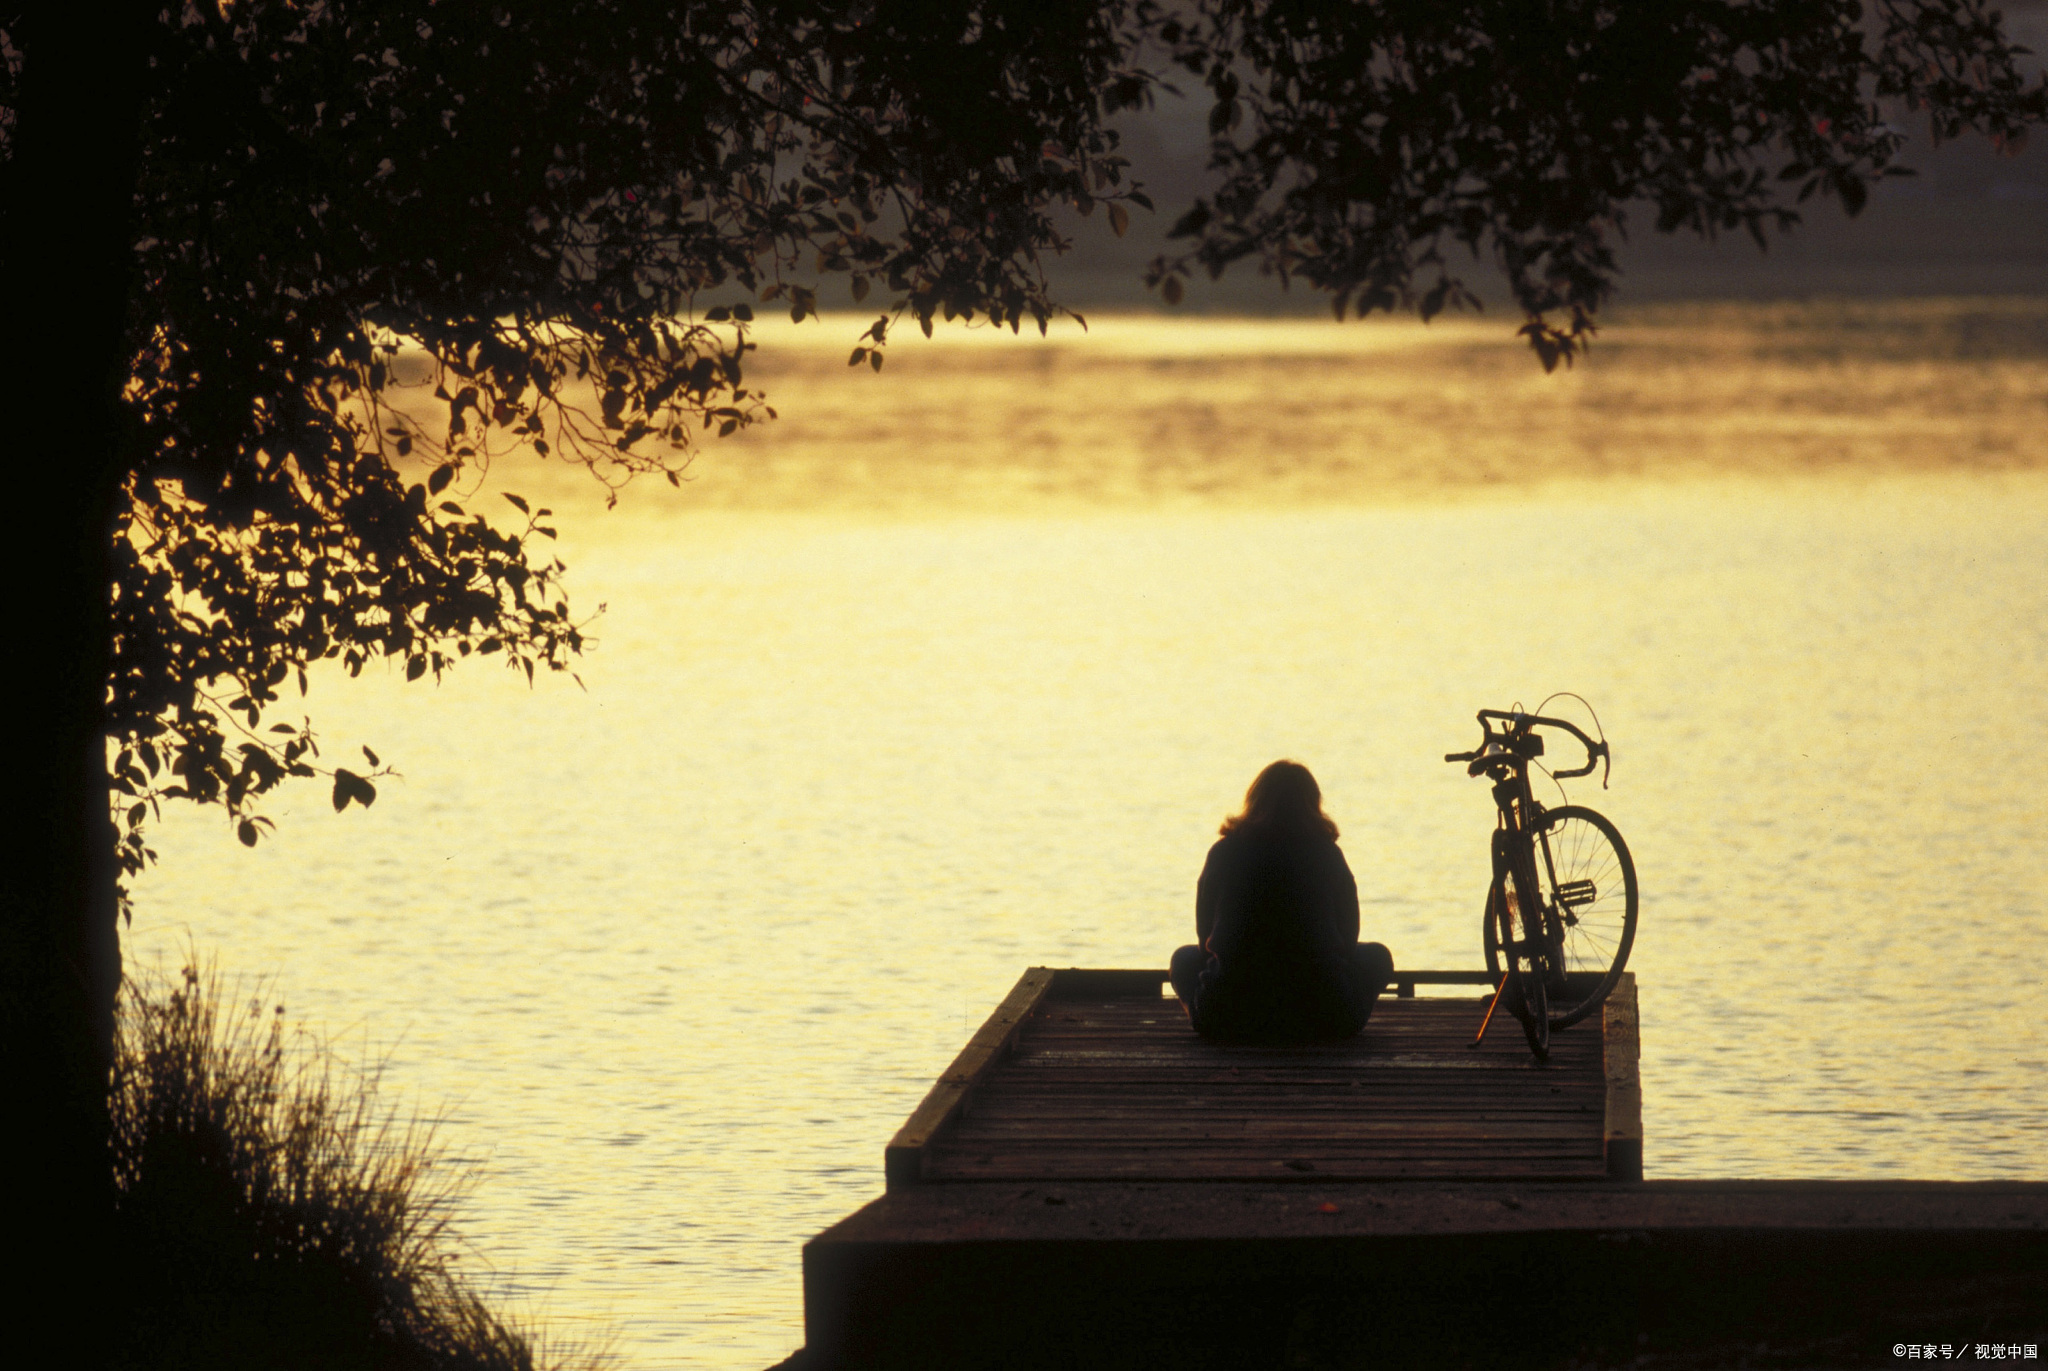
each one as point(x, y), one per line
point(1491, 1005)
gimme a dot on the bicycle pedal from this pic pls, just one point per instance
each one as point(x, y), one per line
point(1576, 894)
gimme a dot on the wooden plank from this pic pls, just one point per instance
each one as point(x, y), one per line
point(998, 1105)
point(1051, 1075)
point(1375, 1042)
point(1032, 1063)
point(1036, 1060)
point(1084, 983)
point(1587, 1114)
point(1406, 1088)
point(1158, 1127)
point(1243, 1135)
point(1037, 1053)
point(1387, 1053)
point(1114, 1070)
point(903, 1160)
point(1322, 1170)
point(1234, 1138)
point(1404, 982)
point(1218, 1163)
point(1226, 1134)
point(1209, 1058)
point(1377, 1169)
point(1622, 1134)
point(1220, 1160)
point(1277, 1164)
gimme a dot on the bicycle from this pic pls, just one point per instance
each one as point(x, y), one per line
point(1563, 876)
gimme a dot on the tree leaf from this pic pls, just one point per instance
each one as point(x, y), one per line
point(1191, 223)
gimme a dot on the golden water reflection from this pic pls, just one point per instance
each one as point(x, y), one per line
point(1143, 411)
point(953, 669)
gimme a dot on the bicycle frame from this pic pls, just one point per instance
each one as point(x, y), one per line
point(1521, 836)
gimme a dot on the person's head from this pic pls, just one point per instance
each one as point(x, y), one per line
point(1284, 795)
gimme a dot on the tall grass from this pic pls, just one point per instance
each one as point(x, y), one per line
point(271, 1212)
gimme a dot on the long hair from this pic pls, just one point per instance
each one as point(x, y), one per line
point(1284, 795)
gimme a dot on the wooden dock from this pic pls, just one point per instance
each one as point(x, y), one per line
point(1091, 1185)
point(1094, 1075)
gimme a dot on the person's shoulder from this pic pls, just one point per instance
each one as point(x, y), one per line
point(1317, 848)
point(1232, 849)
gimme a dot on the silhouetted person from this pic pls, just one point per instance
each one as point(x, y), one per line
point(1276, 912)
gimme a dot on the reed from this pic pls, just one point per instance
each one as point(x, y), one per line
point(272, 1212)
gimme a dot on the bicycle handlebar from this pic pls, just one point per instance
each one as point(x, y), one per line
point(1518, 726)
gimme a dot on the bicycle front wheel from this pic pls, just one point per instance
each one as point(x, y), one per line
point(1587, 884)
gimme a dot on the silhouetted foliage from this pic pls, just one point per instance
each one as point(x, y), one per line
point(518, 207)
point(1358, 145)
point(271, 1211)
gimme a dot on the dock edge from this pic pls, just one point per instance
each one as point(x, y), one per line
point(1620, 1055)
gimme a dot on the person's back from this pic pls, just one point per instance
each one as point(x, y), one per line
point(1276, 913)
point(1282, 913)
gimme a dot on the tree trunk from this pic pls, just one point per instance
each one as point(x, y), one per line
point(65, 212)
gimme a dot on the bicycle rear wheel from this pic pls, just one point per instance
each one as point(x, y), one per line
point(1587, 883)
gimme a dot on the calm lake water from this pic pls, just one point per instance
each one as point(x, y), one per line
point(954, 669)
